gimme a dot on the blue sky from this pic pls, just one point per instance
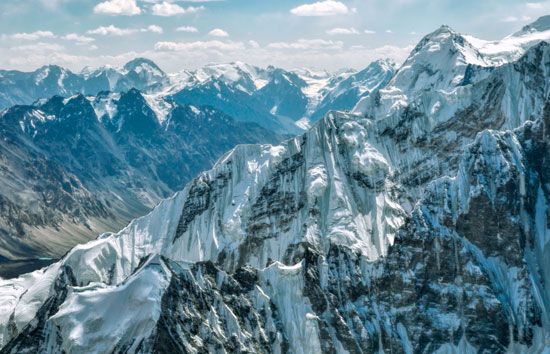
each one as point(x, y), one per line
point(181, 34)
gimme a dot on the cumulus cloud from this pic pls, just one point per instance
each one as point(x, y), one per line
point(153, 29)
point(338, 31)
point(169, 55)
point(396, 53)
point(524, 12)
point(253, 44)
point(321, 8)
point(171, 1)
point(188, 29)
point(39, 47)
point(369, 31)
point(166, 9)
point(30, 57)
point(78, 38)
point(112, 30)
point(118, 7)
point(199, 45)
point(218, 32)
point(537, 5)
point(308, 44)
point(30, 36)
point(516, 19)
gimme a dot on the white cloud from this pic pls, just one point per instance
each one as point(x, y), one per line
point(116, 31)
point(525, 12)
point(337, 31)
point(31, 36)
point(510, 19)
point(308, 44)
point(321, 8)
point(171, 1)
point(39, 47)
point(516, 19)
point(388, 31)
point(78, 38)
point(188, 29)
point(253, 44)
point(153, 29)
point(199, 45)
point(118, 7)
point(32, 56)
point(169, 55)
point(112, 31)
point(535, 5)
point(369, 31)
point(166, 9)
point(218, 32)
point(398, 54)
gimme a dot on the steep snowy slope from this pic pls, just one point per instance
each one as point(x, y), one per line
point(400, 228)
point(256, 206)
point(77, 166)
point(343, 91)
point(456, 278)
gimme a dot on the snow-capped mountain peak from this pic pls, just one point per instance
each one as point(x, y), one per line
point(146, 67)
point(247, 78)
point(52, 75)
point(439, 68)
point(437, 62)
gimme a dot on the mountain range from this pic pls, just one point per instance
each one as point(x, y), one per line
point(110, 143)
point(417, 222)
point(274, 98)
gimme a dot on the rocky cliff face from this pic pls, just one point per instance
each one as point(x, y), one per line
point(420, 223)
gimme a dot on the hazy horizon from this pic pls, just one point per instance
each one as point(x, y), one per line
point(186, 34)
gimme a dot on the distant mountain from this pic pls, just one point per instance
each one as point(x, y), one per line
point(344, 91)
point(74, 166)
point(24, 88)
point(277, 99)
point(417, 223)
